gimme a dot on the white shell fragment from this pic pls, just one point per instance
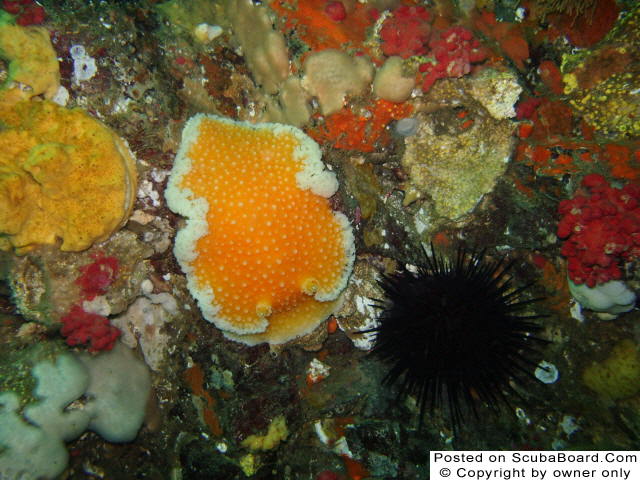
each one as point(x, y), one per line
point(547, 372)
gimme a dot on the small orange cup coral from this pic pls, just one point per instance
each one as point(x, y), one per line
point(264, 254)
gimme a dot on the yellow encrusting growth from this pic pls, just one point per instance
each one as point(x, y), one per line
point(277, 433)
point(264, 254)
point(617, 376)
point(63, 176)
point(33, 63)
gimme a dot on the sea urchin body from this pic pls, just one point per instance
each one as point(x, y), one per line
point(456, 333)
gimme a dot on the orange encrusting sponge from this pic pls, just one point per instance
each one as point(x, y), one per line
point(264, 254)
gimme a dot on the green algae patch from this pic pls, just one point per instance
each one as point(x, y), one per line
point(16, 365)
point(187, 15)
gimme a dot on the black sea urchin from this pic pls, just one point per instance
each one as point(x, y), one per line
point(455, 333)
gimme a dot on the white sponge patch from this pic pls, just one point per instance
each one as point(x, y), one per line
point(612, 297)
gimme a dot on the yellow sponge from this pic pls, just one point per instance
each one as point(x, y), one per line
point(33, 64)
point(618, 376)
point(64, 176)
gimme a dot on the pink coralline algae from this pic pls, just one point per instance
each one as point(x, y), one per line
point(406, 33)
point(601, 228)
point(454, 51)
point(83, 328)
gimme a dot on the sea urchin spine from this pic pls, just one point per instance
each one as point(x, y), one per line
point(456, 333)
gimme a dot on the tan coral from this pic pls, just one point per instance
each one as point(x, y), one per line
point(330, 75)
point(263, 47)
point(64, 176)
point(291, 106)
point(392, 82)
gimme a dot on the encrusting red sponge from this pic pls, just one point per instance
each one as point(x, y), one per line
point(407, 32)
point(27, 12)
point(80, 327)
point(335, 11)
point(98, 275)
point(601, 228)
point(454, 50)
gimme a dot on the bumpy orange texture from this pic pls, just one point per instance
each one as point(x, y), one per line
point(274, 256)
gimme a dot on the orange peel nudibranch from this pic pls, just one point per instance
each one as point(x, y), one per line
point(310, 286)
point(263, 309)
point(264, 254)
